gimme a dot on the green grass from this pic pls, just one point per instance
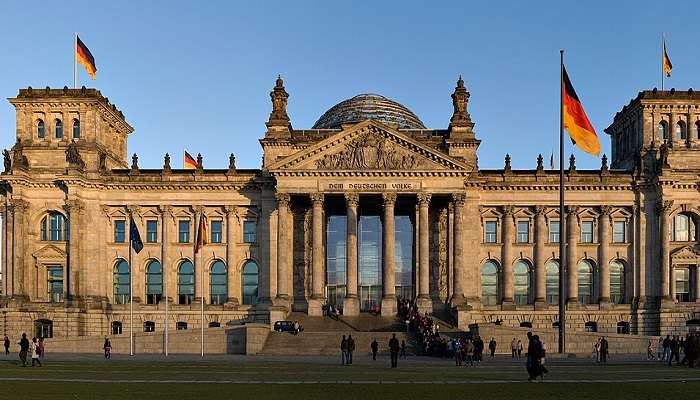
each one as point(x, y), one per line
point(196, 379)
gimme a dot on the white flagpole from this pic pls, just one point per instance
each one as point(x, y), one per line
point(165, 278)
point(201, 276)
point(663, 44)
point(131, 298)
point(75, 64)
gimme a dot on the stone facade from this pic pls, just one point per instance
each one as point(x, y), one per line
point(69, 192)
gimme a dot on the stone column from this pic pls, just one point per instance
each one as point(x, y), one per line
point(76, 274)
point(234, 283)
point(351, 304)
point(672, 284)
point(458, 282)
point(424, 303)
point(317, 256)
point(540, 257)
point(5, 243)
point(283, 256)
point(507, 254)
point(389, 256)
point(571, 264)
point(604, 254)
point(664, 210)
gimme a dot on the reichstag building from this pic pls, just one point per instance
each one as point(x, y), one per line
point(366, 207)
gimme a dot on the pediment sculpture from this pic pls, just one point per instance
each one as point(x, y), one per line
point(370, 152)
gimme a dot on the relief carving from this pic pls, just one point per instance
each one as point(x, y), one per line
point(438, 254)
point(302, 245)
point(370, 152)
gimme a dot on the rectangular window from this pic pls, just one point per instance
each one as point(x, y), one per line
point(152, 231)
point(490, 232)
point(554, 232)
point(587, 232)
point(523, 232)
point(249, 231)
point(216, 231)
point(682, 278)
point(183, 231)
point(619, 232)
point(119, 231)
point(55, 284)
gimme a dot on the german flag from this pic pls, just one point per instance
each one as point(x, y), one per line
point(667, 62)
point(189, 161)
point(575, 120)
point(84, 57)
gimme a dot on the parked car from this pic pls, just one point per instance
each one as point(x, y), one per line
point(284, 326)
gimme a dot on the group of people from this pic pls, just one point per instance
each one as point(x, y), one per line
point(536, 352)
point(396, 350)
point(467, 350)
point(671, 347)
point(516, 348)
point(600, 350)
point(34, 349)
point(427, 331)
point(347, 347)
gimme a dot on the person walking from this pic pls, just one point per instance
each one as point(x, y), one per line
point(660, 349)
point(34, 349)
point(458, 353)
point(520, 348)
point(667, 348)
point(41, 348)
point(394, 350)
point(344, 351)
point(596, 350)
point(492, 346)
point(403, 349)
point(6, 343)
point(23, 349)
point(351, 348)
point(674, 347)
point(603, 350)
point(478, 350)
point(375, 348)
point(469, 352)
point(107, 347)
point(514, 348)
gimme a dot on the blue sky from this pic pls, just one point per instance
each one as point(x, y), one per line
point(197, 75)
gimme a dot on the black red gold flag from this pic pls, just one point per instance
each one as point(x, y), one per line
point(575, 119)
point(84, 57)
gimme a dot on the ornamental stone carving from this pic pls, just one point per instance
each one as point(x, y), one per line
point(370, 152)
point(459, 198)
point(283, 199)
point(424, 199)
point(389, 198)
point(317, 199)
point(352, 199)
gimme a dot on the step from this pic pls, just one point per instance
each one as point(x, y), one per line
point(328, 343)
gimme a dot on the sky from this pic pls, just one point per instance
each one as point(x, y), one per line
point(197, 75)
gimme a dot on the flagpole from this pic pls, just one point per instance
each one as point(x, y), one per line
point(75, 61)
point(662, 60)
point(131, 299)
point(562, 224)
point(200, 232)
point(165, 276)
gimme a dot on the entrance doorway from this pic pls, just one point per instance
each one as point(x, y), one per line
point(369, 261)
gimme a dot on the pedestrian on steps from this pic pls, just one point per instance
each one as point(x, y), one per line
point(492, 346)
point(394, 350)
point(375, 349)
point(344, 351)
point(403, 350)
point(351, 348)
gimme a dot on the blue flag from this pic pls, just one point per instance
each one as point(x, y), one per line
point(134, 236)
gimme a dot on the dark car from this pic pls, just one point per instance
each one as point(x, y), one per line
point(284, 326)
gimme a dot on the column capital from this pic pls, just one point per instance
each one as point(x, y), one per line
point(459, 198)
point(605, 210)
point(352, 199)
point(230, 209)
point(572, 210)
point(508, 210)
point(74, 206)
point(664, 207)
point(283, 199)
point(540, 211)
point(424, 199)
point(389, 198)
point(317, 198)
point(165, 209)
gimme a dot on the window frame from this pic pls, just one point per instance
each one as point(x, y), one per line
point(186, 297)
point(218, 298)
point(492, 299)
point(118, 286)
point(58, 129)
point(151, 296)
point(682, 296)
point(551, 233)
point(55, 279)
point(520, 236)
point(184, 236)
point(250, 299)
point(487, 233)
point(591, 223)
point(214, 235)
point(522, 299)
point(615, 233)
point(151, 235)
point(615, 297)
point(76, 124)
point(588, 297)
point(250, 236)
point(120, 235)
point(40, 129)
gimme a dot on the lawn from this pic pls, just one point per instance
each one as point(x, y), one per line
point(186, 377)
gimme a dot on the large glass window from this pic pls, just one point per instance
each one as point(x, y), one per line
point(120, 231)
point(152, 231)
point(185, 283)
point(680, 131)
point(43, 328)
point(552, 282)
point(154, 282)
point(370, 261)
point(683, 228)
point(682, 281)
point(523, 231)
point(490, 232)
point(404, 256)
point(183, 227)
point(521, 282)
point(335, 259)
point(122, 278)
point(40, 129)
point(663, 132)
point(587, 232)
point(54, 227)
point(250, 283)
point(55, 283)
point(250, 229)
point(218, 283)
point(697, 131)
point(554, 231)
point(585, 282)
point(619, 232)
point(617, 282)
point(58, 126)
point(489, 283)
point(216, 233)
point(76, 129)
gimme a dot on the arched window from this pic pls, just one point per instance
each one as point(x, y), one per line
point(76, 128)
point(663, 132)
point(219, 283)
point(683, 228)
point(623, 328)
point(154, 282)
point(116, 328)
point(680, 131)
point(521, 282)
point(585, 282)
point(58, 128)
point(43, 328)
point(122, 277)
point(214, 324)
point(682, 282)
point(617, 282)
point(591, 326)
point(489, 283)
point(697, 131)
point(40, 129)
point(55, 227)
point(185, 283)
point(149, 326)
point(181, 325)
point(552, 282)
point(250, 283)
